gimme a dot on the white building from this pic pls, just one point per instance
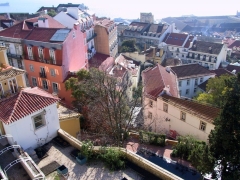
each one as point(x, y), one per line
point(189, 77)
point(170, 114)
point(30, 116)
point(74, 15)
point(207, 54)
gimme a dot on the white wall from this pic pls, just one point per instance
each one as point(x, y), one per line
point(188, 127)
point(26, 136)
point(191, 85)
point(64, 19)
point(222, 56)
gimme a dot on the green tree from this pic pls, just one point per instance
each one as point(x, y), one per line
point(52, 13)
point(103, 97)
point(216, 90)
point(224, 139)
point(128, 46)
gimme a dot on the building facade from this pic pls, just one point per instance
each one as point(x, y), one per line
point(146, 17)
point(106, 41)
point(51, 54)
point(185, 117)
point(74, 15)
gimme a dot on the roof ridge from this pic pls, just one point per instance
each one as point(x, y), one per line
point(161, 75)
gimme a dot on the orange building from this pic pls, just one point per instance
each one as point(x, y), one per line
point(50, 54)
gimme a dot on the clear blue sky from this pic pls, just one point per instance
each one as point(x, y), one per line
point(132, 8)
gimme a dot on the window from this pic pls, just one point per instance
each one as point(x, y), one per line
point(201, 80)
point(206, 64)
point(19, 62)
point(188, 82)
point(34, 82)
point(40, 53)
point(187, 91)
point(31, 67)
point(18, 50)
point(55, 87)
point(196, 81)
point(200, 63)
point(172, 48)
point(183, 56)
point(52, 71)
point(30, 53)
point(202, 126)
point(211, 66)
point(165, 107)
point(179, 83)
point(45, 84)
point(150, 103)
point(195, 90)
point(180, 92)
point(183, 116)
point(149, 115)
point(52, 56)
point(10, 61)
point(13, 85)
point(38, 121)
point(172, 54)
point(2, 44)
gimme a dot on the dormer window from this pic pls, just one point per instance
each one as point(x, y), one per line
point(30, 54)
point(40, 53)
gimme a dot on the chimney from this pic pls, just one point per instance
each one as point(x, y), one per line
point(154, 52)
point(43, 22)
point(168, 69)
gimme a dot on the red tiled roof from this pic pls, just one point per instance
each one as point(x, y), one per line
point(15, 31)
point(24, 103)
point(221, 71)
point(208, 113)
point(107, 64)
point(190, 39)
point(156, 79)
point(176, 39)
point(97, 60)
point(51, 22)
point(190, 70)
point(105, 22)
point(42, 34)
point(235, 43)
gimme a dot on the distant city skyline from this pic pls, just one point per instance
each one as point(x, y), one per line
point(131, 9)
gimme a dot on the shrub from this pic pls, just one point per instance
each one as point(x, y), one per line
point(86, 149)
point(152, 138)
point(113, 158)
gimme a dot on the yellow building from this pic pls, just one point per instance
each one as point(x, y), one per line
point(106, 40)
point(11, 79)
point(69, 120)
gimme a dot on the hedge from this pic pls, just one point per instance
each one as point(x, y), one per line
point(152, 138)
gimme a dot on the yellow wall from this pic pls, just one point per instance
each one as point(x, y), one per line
point(2, 128)
point(101, 41)
point(71, 126)
point(3, 56)
point(20, 82)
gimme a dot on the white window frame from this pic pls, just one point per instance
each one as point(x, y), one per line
point(52, 55)
point(202, 126)
point(165, 107)
point(188, 81)
point(195, 90)
point(53, 88)
point(179, 83)
point(201, 80)
point(11, 83)
point(183, 116)
point(180, 92)
point(196, 81)
point(34, 82)
point(39, 118)
point(31, 67)
point(52, 72)
point(30, 53)
point(45, 85)
point(40, 53)
point(187, 91)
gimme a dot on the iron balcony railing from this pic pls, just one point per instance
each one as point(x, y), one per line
point(16, 56)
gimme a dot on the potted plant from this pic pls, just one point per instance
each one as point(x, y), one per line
point(85, 153)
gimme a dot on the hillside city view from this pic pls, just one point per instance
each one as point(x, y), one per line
point(119, 91)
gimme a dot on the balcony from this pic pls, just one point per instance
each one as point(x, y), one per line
point(93, 36)
point(16, 56)
point(42, 75)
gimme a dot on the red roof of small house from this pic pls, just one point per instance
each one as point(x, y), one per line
point(155, 79)
point(24, 103)
point(15, 31)
point(175, 39)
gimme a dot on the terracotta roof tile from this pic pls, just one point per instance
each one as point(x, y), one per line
point(24, 103)
point(205, 112)
point(97, 60)
point(221, 71)
point(235, 43)
point(15, 31)
point(190, 70)
point(176, 39)
point(156, 79)
point(105, 23)
point(10, 72)
point(204, 47)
